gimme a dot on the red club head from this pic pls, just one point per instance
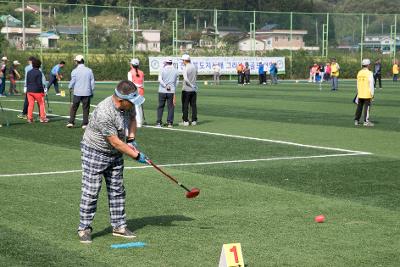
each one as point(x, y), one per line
point(193, 193)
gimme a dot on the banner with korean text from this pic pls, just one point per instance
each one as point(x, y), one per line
point(227, 64)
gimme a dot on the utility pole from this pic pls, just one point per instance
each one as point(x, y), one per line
point(23, 25)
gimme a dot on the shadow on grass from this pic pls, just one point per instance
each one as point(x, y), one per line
point(139, 223)
point(24, 248)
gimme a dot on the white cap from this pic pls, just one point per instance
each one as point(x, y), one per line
point(4, 58)
point(78, 58)
point(15, 62)
point(366, 62)
point(135, 62)
point(185, 57)
point(168, 60)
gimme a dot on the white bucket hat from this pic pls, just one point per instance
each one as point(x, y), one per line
point(78, 58)
point(185, 57)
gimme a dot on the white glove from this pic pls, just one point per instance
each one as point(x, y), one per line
point(25, 89)
point(45, 90)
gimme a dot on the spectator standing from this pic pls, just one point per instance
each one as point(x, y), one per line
point(327, 75)
point(110, 134)
point(261, 73)
point(82, 83)
point(378, 73)
point(189, 91)
point(365, 93)
point(273, 72)
point(395, 70)
point(36, 89)
point(217, 73)
point(3, 73)
point(55, 76)
point(14, 76)
point(168, 79)
point(246, 72)
point(335, 68)
point(24, 113)
point(239, 70)
point(136, 76)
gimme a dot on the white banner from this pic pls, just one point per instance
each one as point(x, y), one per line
point(228, 64)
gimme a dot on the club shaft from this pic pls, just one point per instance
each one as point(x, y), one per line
point(167, 175)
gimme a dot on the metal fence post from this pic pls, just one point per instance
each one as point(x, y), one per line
point(41, 29)
point(362, 37)
point(133, 33)
point(291, 45)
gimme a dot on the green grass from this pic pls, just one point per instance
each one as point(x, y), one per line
point(268, 206)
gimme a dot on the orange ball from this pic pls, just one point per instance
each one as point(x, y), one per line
point(319, 219)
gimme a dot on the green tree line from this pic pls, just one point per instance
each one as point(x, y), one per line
point(332, 6)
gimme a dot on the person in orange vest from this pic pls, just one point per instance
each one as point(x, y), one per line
point(136, 76)
point(395, 70)
point(335, 74)
point(365, 93)
point(240, 73)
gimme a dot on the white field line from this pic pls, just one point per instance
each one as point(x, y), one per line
point(237, 136)
point(51, 102)
point(348, 152)
point(265, 140)
point(194, 164)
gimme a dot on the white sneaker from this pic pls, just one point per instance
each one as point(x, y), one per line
point(58, 94)
point(368, 124)
point(185, 123)
point(70, 125)
point(194, 123)
point(83, 127)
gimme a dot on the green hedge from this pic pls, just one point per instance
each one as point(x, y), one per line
point(114, 66)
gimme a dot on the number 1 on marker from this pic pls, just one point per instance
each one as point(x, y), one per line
point(234, 251)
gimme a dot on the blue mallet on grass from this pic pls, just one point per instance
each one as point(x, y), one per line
point(129, 245)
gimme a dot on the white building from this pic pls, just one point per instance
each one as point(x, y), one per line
point(275, 39)
point(150, 40)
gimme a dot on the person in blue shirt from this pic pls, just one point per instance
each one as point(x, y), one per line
point(261, 73)
point(273, 72)
point(55, 76)
point(82, 84)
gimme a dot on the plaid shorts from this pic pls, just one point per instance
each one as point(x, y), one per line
point(95, 165)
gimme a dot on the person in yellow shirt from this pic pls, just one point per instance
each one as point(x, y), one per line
point(334, 74)
point(395, 70)
point(365, 93)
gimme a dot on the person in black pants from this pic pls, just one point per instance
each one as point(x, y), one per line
point(82, 83)
point(189, 91)
point(378, 73)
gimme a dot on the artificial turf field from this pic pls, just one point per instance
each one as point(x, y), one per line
point(254, 189)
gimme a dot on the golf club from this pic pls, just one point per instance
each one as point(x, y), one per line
point(194, 192)
point(48, 104)
point(5, 115)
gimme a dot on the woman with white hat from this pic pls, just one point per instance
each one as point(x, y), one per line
point(136, 76)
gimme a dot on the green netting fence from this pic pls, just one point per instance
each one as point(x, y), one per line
point(109, 36)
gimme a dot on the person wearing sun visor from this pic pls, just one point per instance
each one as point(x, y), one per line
point(109, 135)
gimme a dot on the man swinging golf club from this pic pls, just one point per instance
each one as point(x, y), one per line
point(109, 134)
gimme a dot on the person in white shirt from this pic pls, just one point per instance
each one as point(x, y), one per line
point(217, 73)
point(168, 80)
